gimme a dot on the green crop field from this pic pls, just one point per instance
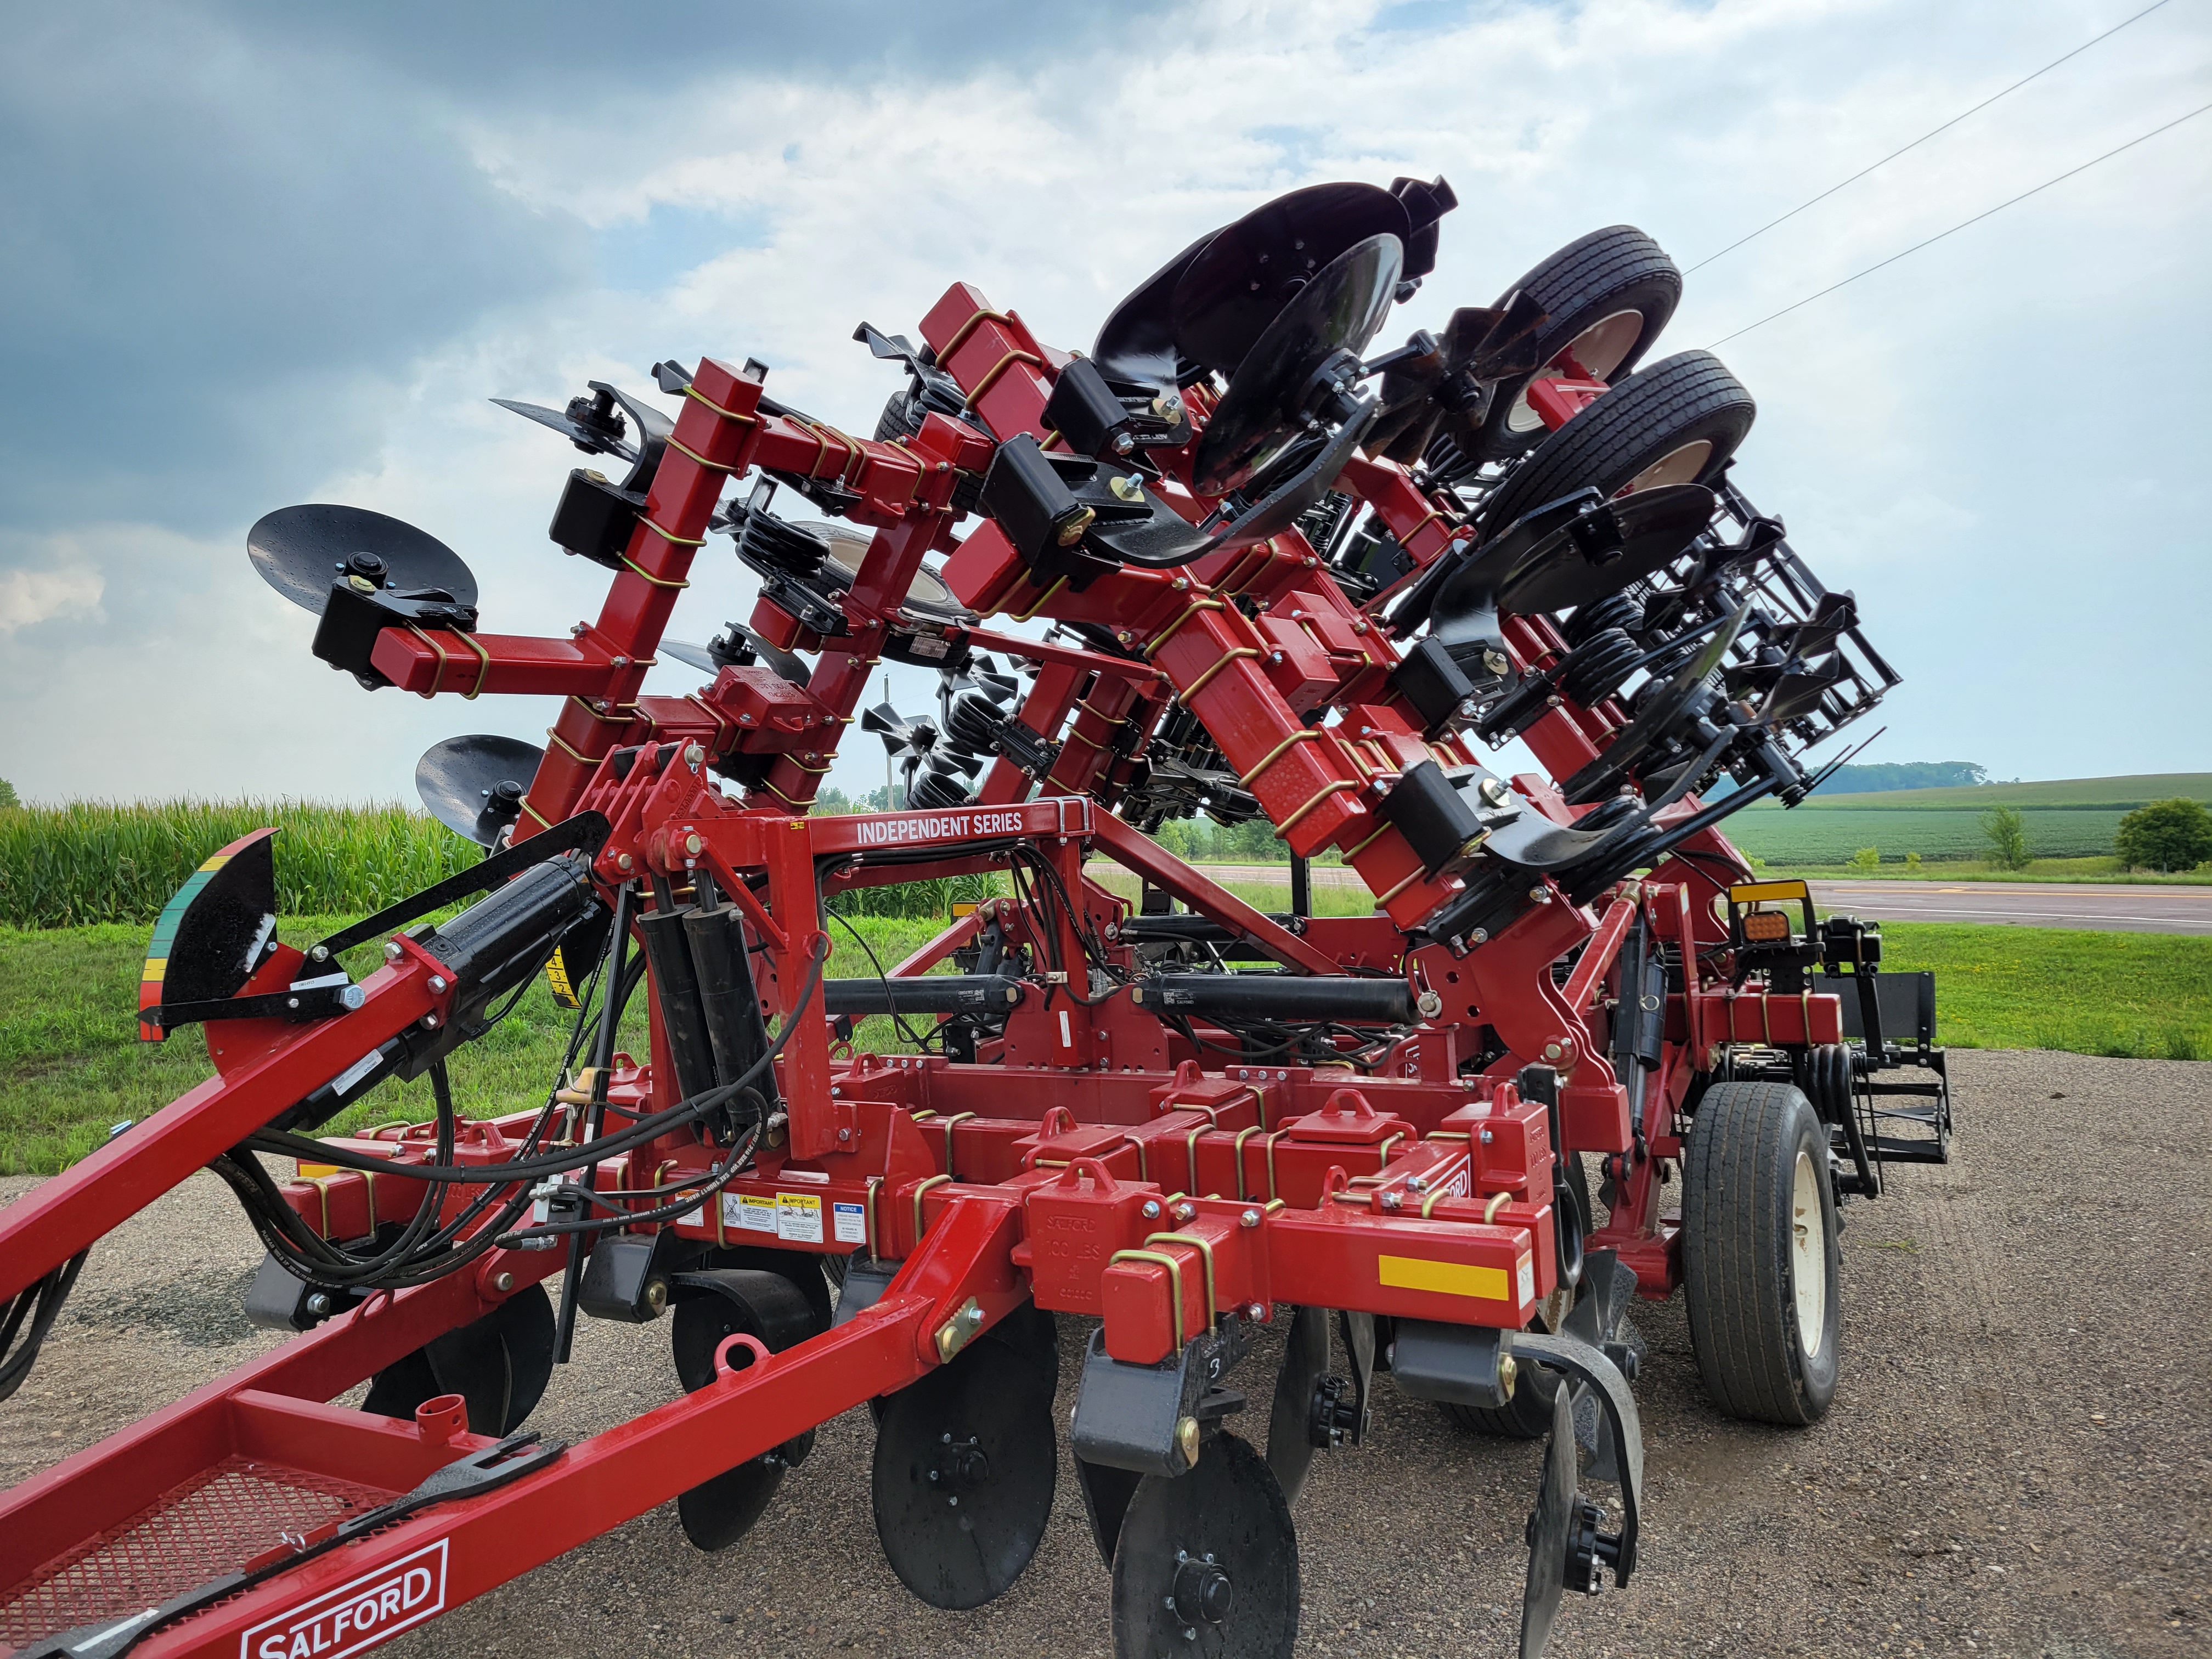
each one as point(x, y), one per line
point(2122, 793)
point(65, 866)
point(1832, 834)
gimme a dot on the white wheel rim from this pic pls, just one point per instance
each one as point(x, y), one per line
point(1676, 466)
point(1599, 348)
point(1808, 1256)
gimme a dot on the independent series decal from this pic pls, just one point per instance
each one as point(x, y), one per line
point(949, 826)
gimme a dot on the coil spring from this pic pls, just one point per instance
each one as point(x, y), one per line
point(973, 720)
point(1596, 668)
point(764, 540)
point(1614, 611)
point(937, 790)
point(1447, 462)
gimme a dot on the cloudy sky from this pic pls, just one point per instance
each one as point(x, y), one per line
point(257, 252)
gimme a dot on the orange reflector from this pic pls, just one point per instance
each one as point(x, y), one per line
point(1765, 926)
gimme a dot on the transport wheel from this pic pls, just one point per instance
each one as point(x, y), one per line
point(1760, 1260)
point(1607, 295)
point(1528, 1414)
point(1208, 1563)
point(1677, 422)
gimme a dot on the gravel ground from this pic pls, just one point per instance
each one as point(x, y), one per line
point(2020, 1461)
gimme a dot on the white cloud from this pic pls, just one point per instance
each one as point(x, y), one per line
point(30, 597)
point(1960, 438)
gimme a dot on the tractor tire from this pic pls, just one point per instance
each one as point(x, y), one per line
point(1609, 295)
point(1662, 414)
point(1761, 1260)
point(1528, 1414)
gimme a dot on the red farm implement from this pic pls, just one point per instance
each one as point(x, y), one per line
point(1285, 580)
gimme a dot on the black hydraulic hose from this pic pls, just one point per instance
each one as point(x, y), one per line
point(603, 1059)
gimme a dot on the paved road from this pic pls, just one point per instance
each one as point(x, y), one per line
point(2019, 1461)
point(2109, 906)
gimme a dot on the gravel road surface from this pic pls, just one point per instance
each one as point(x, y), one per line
point(2020, 1461)
point(2110, 907)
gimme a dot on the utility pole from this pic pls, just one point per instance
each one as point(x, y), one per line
point(890, 794)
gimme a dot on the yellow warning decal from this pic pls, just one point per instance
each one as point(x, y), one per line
point(1761, 892)
point(556, 976)
point(1406, 1272)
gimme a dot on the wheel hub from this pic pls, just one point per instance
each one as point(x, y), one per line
point(1808, 1256)
point(961, 1467)
point(1202, 1592)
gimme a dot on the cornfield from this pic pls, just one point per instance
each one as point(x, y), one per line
point(67, 867)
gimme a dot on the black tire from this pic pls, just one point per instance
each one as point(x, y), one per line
point(1528, 1414)
point(1740, 1260)
point(1594, 276)
point(1688, 398)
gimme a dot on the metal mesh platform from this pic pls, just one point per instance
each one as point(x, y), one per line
point(192, 1532)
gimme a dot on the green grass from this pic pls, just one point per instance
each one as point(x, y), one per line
point(65, 866)
point(2129, 996)
point(72, 1065)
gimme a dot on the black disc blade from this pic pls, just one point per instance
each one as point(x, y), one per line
point(299, 550)
point(1600, 553)
point(1208, 1563)
point(474, 785)
point(690, 655)
point(1235, 285)
point(598, 443)
point(1137, 341)
point(964, 1466)
point(774, 1303)
point(1305, 1362)
point(1547, 1534)
point(786, 665)
point(1256, 419)
point(498, 1364)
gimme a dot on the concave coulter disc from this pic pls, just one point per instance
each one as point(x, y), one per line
point(965, 1462)
point(1208, 1563)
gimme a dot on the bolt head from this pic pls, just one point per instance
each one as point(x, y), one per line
point(1249, 1218)
point(624, 861)
point(1185, 1211)
point(437, 982)
point(392, 950)
point(1186, 1439)
point(694, 754)
point(1152, 1210)
point(502, 1282)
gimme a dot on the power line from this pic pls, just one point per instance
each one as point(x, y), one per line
point(1925, 136)
point(1962, 223)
